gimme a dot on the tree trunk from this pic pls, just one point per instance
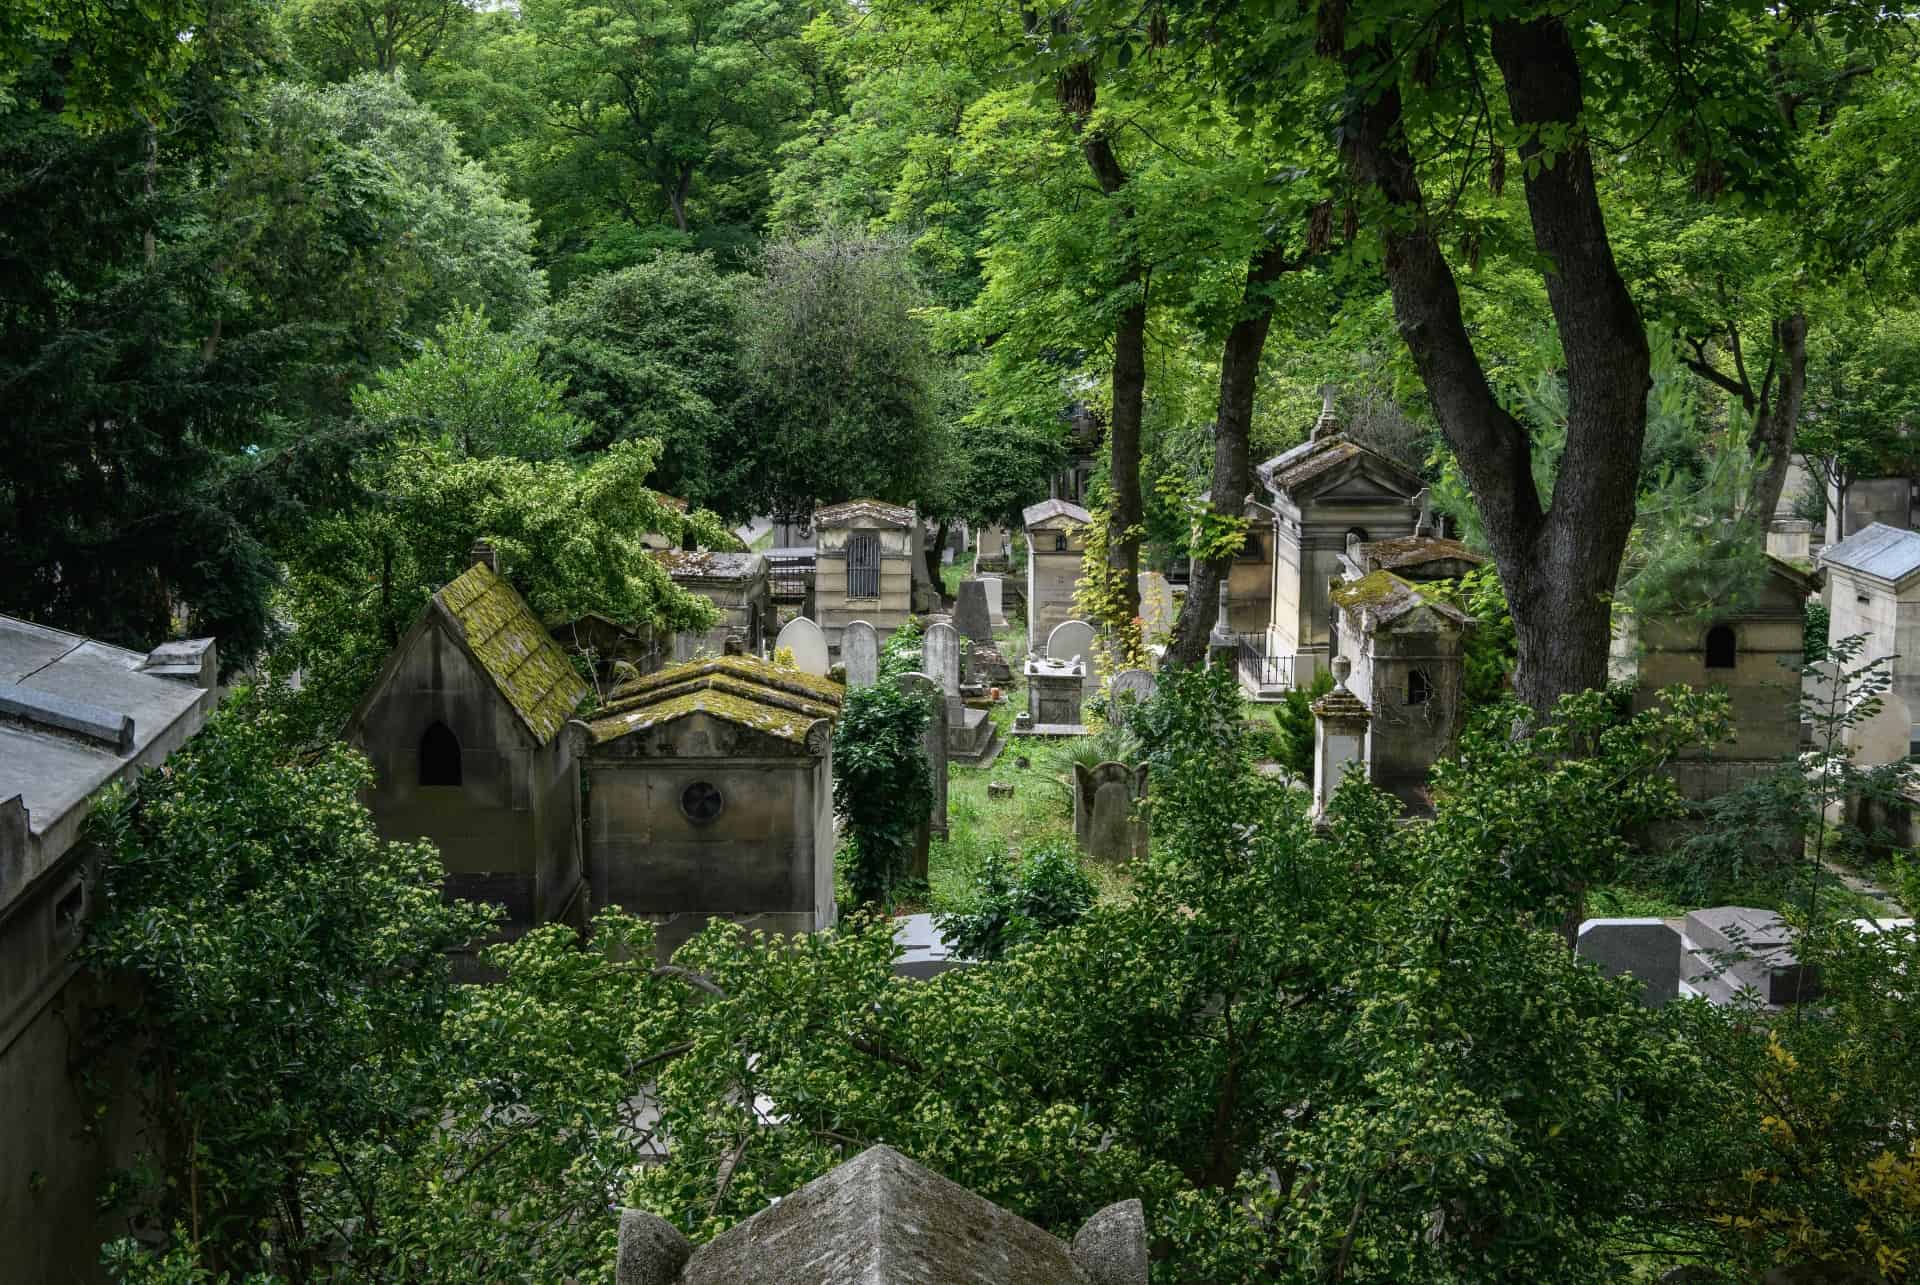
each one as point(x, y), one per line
point(1771, 440)
point(932, 555)
point(1232, 455)
point(1558, 563)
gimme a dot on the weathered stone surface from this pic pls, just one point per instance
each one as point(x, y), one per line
point(1138, 685)
point(1070, 639)
point(941, 647)
point(1055, 690)
point(882, 1218)
point(989, 666)
point(970, 614)
point(999, 789)
point(1647, 948)
point(652, 1250)
point(860, 653)
point(923, 950)
point(1103, 820)
point(934, 742)
point(1737, 948)
point(995, 589)
point(1111, 1246)
point(809, 646)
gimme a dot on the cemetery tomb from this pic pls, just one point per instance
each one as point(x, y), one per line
point(1056, 690)
point(712, 796)
point(881, 1217)
point(1340, 721)
point(933, 743)
point(1873, 589)
point(994, 588)
point(1106, 823)
point(1074, 639)
point(1649, 949)
point(1323, 493)
point(860, 653)
point(1156, 605)
point(971, 735)
point(1137, 685)
point(463, 728)
point(1055, 540)
point(739, 584)
point(866, 566)
point(970, 614)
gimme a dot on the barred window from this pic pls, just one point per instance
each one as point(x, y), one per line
point(863, 565)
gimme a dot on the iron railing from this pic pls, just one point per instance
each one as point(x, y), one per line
point(1261, 671)
point(790, 573)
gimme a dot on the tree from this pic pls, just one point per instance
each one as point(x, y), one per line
point(883, 786)
point(287, 974)
point(339, 39)
point(837, 379)
point(477, 390)
point(651, 351)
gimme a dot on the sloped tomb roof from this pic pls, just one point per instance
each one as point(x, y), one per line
point(511, 647)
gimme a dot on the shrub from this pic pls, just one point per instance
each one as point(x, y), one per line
point(1046, 891)
point(881, 785)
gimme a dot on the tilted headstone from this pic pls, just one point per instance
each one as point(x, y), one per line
point(941, 647)
point(860, 653)
point(1137, 685)
point(970, 615)
point(934, 743)
point(1647, 948)
point(1156, 604)
point(1104, 823)
point(995, 589)
point(809, 646)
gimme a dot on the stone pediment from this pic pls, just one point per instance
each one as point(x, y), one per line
point(732, 705)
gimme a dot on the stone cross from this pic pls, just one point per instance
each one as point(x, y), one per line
point(860, 652)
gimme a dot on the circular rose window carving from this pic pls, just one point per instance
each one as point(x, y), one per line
point(701, 802)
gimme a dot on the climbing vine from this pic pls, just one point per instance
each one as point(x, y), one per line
point(882, 785)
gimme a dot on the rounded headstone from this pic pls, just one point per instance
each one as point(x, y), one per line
point(809, 646)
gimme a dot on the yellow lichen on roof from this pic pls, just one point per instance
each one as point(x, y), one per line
point(774, 714)
point(526, 665)
point(747, 669)
point(1375, 589)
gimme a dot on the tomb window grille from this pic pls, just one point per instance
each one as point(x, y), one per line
point(439, 756)
point(1419, 687)
point(863, 565)
point(1722, 646)
point(1059, 541)
point(701, 803)
point(1251, 549)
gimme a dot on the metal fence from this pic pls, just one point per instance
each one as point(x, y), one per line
point(1259, 670)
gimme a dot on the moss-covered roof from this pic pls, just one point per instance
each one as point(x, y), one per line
point(525, 664)
point(854, 511)
point(1415, 550)
point(779, 702)
point(1389, 598)
point(747, 669)
point(1293, 469)
point(702, 564)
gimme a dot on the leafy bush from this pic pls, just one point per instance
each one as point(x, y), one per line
point(1818, 622)
point(900, 654)
point(881, 785)
point(1292, 743)
point(1048, 889)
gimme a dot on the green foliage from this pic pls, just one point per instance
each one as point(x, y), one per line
point(475, 390)
point(882, 785)
point(1491, 650)
point(1294, 725)
point(288, 975)
point(568, 536)
point(650, 351)
point(1818, 622)
point(900, 654)
point(1018, 902)
point(836, 378)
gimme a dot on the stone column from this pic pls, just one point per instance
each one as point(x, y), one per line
point(1222, 647)
point(1340, 722)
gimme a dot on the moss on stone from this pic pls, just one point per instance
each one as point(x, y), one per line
point(517, 653)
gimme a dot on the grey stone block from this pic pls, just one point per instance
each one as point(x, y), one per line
point(1647, 948)
point(1111, 1246)
point(107, 727)
point(652, 1250)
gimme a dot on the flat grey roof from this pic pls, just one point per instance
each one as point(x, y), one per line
point(53, 768)
point(1876, 550)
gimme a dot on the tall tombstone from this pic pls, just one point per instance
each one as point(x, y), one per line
point(1340, 721)
point(995, 590)
point(860, 653)
point(1104, 821)
point(934, 743)
point(940, 646)
point(809, 646)
point(970, 615)
point(1073, 638)
point(1156, 604)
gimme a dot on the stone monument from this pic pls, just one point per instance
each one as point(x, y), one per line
point(860, 653)
point(1105, 822)
point(809, 646)
point(995, 589)
point(971, 615)
point(970, 732)
point(934, 742)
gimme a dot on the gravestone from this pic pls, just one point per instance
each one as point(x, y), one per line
point(941, 647)
point(994, 587)
point(970, 615)
point(1156, 604)
point(989, 666)
point(1647, 948)
point(1055, 690)
point(1137, 685)
point(1073, 638)
point(1104, 823)
point(809, 646)
point(921, 950)
point(1731, 950)
point(860, 653)
point(934, 743)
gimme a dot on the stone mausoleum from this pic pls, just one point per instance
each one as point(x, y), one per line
point(463, 728)
point(76, 716)
point(866, 566)
point(1328, 495)
point(737, 584)
point(1056, 537)
point(712, 795)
